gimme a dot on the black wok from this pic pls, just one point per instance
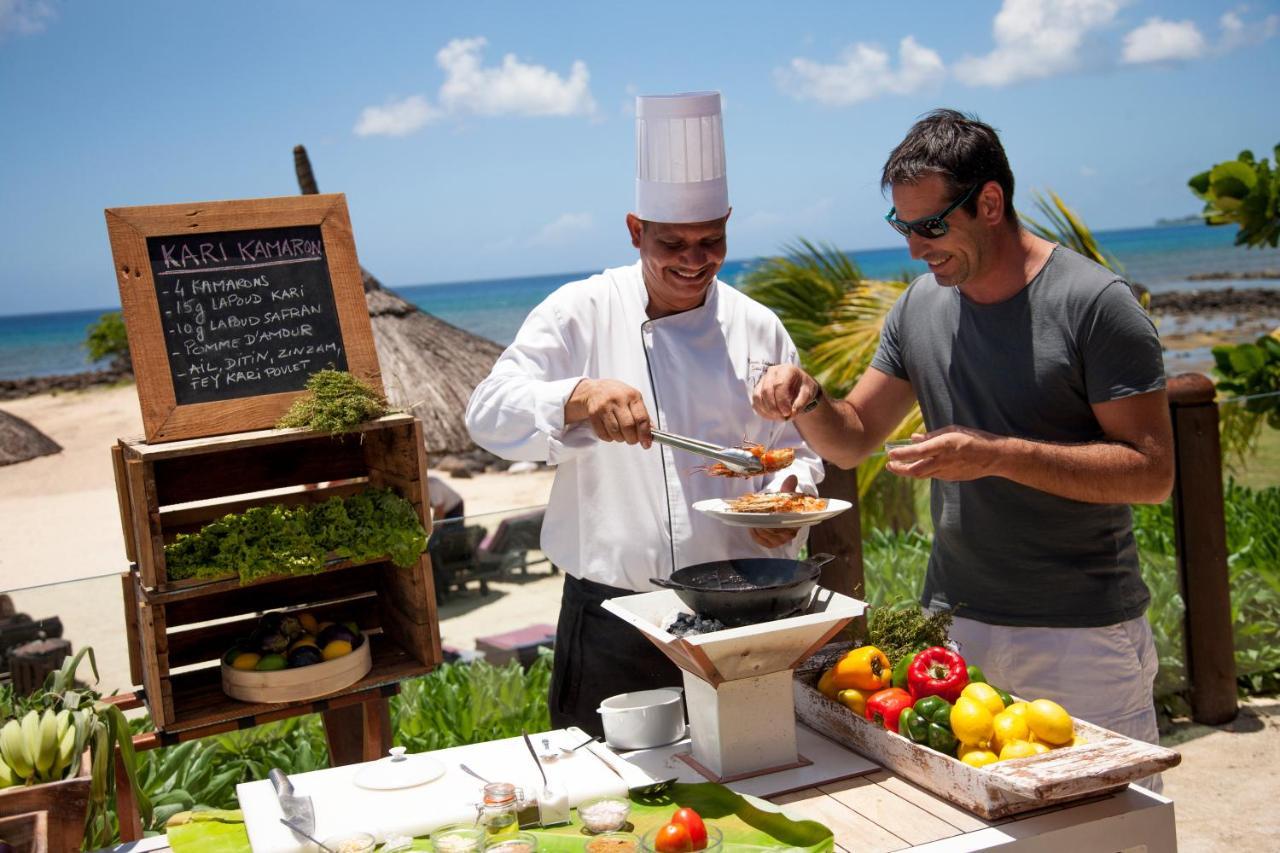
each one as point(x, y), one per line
point(749, 590)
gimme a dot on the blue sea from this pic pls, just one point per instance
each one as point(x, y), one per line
point(1160, 258)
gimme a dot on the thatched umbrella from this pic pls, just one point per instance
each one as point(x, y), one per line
point(20, 441)
point(429, 367)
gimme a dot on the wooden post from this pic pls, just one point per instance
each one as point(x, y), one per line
point(359, 732)
point(841, 536)
point(1201, 536)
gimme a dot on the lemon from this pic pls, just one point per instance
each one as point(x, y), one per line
point(1050, 722)
point(971, 722)
point(979, 757)
point(336, 649)
point(984, 694)
point(1008, 728)
point(1040, 748)
point(1017, 749)
point(1019, 708)
point(245, 660)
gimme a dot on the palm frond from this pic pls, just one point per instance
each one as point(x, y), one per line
point(1066, 227)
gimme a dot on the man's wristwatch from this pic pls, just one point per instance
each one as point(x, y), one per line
point(813, 404)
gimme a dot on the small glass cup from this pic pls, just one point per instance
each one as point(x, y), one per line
point(715, 840)
point(604, 814)
point(458, 838)
point(351, 842)
point(898, 442)
point(516, 842)
point(614, 842)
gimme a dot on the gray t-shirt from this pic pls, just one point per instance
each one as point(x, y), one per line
point(1029, 367)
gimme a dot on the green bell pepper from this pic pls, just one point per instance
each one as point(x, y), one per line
point(976, 674)
point(900, 670)
point(1004, 697)
point(936, 712)
point(942, 739)
point(935, 709)
point(913, 726)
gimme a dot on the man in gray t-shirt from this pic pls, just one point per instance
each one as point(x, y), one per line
point(1032, 367)
point(1042, 388)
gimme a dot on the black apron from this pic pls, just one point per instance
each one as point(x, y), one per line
point(598, 655)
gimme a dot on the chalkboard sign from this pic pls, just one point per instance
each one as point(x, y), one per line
point(245, 312)
point(231, 306)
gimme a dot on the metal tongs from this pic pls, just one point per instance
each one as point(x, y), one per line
point(734, 458)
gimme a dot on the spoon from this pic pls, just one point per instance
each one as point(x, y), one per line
point(310, 838)
point(534, 753)
point(470, 772)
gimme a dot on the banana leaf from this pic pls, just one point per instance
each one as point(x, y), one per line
point(745, 825)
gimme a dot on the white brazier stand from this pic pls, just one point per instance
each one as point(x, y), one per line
point(737, 682)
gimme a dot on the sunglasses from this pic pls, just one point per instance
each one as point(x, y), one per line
point(929, 227)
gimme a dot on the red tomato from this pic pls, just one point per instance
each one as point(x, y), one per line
point(692, 822)
point(673, 838)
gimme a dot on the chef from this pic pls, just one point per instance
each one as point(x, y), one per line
point(660, 344)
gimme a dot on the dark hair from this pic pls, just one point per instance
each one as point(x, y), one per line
point(960, 148)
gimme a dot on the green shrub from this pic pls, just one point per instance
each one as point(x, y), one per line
point(106, 338)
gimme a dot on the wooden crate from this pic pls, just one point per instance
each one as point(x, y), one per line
point(181, 644)
point(51, 814)
point(1104, 763)
point(178, 630)
point(27, 832)
point(178, 487)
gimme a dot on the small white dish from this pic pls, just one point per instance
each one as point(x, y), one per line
point(719, 510)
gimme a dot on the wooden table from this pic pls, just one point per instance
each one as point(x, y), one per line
point(882, 812)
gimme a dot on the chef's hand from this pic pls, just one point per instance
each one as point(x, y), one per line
point(615, 409)
point(782, 392)
point(776, 537)
point(952, 453)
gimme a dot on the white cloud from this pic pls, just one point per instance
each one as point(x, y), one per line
point(469, 88)
point(1088, 172)
point(512, 88)
point(1159, 40)
point(562, 230)
point(24, 17)
point(1036, 38)
point(1237, 33)
point(863, 72)
point(396, 118)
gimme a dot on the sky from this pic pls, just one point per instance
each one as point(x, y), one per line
point(495, 139)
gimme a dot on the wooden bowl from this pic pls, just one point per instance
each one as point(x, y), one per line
point(298, 683)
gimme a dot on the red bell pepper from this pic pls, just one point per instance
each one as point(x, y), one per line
point(885, 706)
point(937, 672)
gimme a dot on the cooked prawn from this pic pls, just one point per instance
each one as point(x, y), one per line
point(774, 459)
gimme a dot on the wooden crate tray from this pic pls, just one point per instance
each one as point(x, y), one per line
point(1105, 762)
point(177, 638)
point(177, 487)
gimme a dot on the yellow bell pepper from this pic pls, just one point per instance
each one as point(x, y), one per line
point(827, 684)
point(864, 668)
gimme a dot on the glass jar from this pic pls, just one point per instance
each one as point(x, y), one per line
point(498, 811)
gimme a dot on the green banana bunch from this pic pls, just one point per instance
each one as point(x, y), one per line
point(13, 749)
point(41, 746)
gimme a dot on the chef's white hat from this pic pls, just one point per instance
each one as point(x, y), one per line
point(680, 174)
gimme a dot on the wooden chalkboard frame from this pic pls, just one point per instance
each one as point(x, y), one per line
point(129, 227)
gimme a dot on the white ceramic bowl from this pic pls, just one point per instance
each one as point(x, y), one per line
point(643, 719)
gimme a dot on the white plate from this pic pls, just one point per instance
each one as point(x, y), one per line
point(719, 509)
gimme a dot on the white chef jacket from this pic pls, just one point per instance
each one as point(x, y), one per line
point(620, 514)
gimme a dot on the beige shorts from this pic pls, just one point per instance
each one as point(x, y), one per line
point(1103, 675)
